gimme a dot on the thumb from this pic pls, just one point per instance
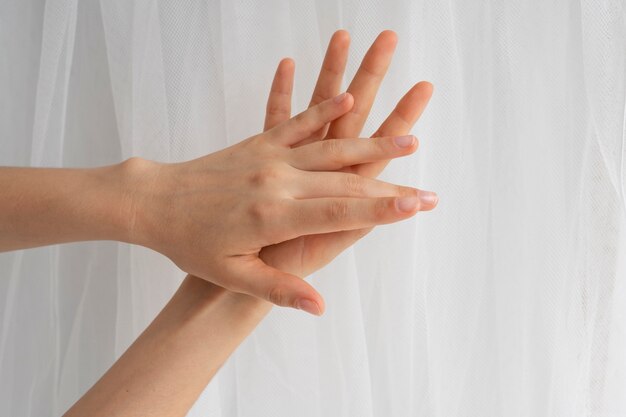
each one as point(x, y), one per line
point(258, 279)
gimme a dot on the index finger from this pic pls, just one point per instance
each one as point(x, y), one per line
point(278, 108)
point(305, 123)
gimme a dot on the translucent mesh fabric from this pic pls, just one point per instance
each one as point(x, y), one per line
point(508, 300)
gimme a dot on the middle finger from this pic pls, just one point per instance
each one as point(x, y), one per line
point(325, 184)
point(365, 85)
point(334, 154)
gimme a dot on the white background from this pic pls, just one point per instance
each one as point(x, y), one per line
point(508, 299)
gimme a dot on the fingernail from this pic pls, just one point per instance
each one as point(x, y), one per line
point(309, 306)
point(338, 99)
point(404, 141)
point(428, 197)
point(407, 204)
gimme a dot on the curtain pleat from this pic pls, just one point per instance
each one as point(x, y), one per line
point(508, 299)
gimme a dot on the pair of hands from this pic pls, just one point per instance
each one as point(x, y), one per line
point(258, 215)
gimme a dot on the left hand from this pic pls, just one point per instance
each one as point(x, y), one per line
point(306, 254)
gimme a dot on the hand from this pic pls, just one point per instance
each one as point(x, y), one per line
point(213, 215)
point(306, 254)
point(199, 305)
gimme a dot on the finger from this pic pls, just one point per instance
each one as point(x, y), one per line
point(399, 122)
point(331, 74)
point(323, 215)
point(310, 120)
point(365, 85)
point(340, 184)
point(254, 277)
point(321, 249)
point(407, 111)
point(334, 154)
point(278, 107)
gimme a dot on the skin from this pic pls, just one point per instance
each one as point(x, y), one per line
point(212, 216)
point(281, 193)
point(309, 253)
point(203, 323)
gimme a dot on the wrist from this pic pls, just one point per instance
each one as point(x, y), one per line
point(136, 183)
point(203, 299)
point(190, 339)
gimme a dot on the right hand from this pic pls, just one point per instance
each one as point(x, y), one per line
point(212, 216)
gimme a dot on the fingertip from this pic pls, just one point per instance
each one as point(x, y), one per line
point(312, 303)
point(344, 101)
point(406, 143)
point(428, 200)
point(408, 204)
point(348, 101)
point(388, 35)
point(308, 305)
point(425, 87)
point(346, 104)
point(287, 63)
point(419, 95)
point(415, 201)
point(321, 304)
point(341, 36)
point(308, 299)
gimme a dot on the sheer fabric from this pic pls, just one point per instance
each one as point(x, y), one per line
point(509, 299)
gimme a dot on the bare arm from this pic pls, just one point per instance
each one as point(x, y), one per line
point(43, 206)
point(213, 215)
point(169, 365)
point(164, 371)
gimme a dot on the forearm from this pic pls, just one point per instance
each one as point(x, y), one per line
point(43, 206)
point(164, 371)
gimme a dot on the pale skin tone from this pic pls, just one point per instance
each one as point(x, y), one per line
point(203, 323)
point(213, 216)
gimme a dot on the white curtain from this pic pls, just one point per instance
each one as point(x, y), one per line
point(509, 299)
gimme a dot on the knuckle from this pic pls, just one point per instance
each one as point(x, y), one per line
point(302, 122)
point(381, 147)
point(265, 175)
point(318, 98)
point(355, 184)
point(276, 109)
point(402, 191)
point(380, 210)
point(338, 210)
point(333, 149)
point(276, 295)
point(261, 211)
point(300, 118)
